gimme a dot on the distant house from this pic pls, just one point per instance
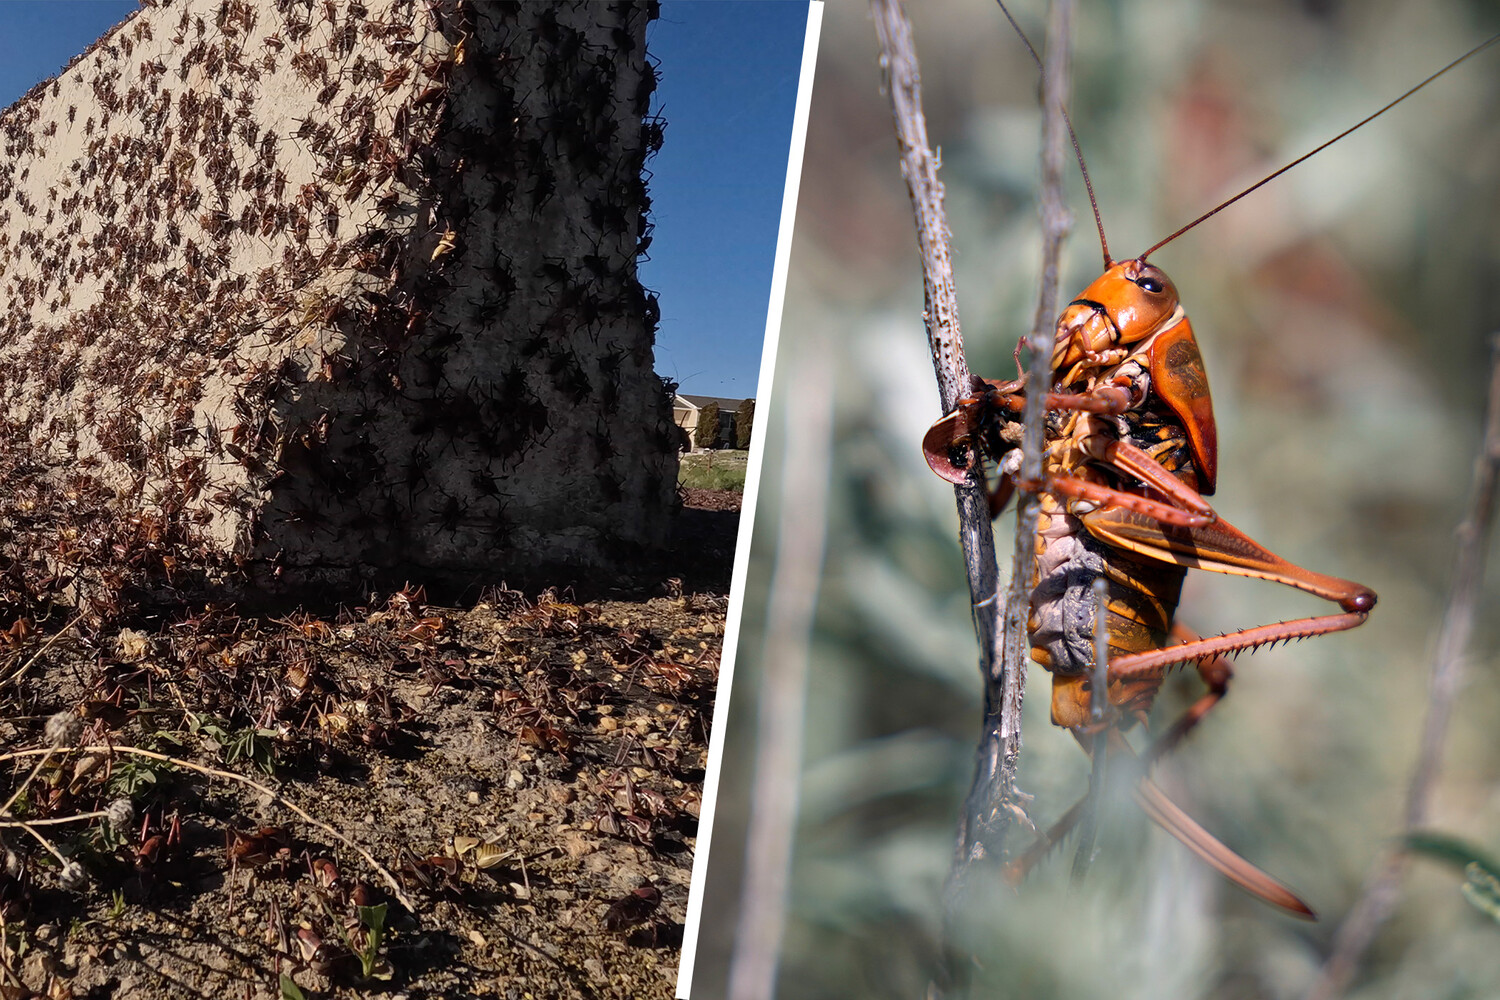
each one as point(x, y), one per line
point(685, 410)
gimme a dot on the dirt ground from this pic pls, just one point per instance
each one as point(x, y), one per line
point(525, 774)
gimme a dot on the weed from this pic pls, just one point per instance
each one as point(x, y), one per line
point(130, 777)
point(250, 744)
point(363, 941)
point(372, 918)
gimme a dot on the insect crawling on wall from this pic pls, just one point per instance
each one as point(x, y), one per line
point(1130, 453)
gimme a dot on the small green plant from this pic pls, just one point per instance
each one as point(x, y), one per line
point(112, 915)
point(258, 746)
point(133, 774)
point(212, 730)
point(372, 918)
point(290, 990)
point(364, 941)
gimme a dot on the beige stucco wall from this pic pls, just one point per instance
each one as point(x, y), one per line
point(296, 294)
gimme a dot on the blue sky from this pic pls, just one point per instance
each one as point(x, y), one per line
point(728, 88)
point(37, 37)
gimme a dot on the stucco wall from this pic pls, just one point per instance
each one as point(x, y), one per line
point(300, 293)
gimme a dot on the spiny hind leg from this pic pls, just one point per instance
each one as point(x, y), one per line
point(1152, 663)
point(1216, 672)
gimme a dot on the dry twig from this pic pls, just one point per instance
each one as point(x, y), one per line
point(1089, 825)
point(1056, 222)
point(51, 641)
point(919, 168)
point(47, 844)
point(6, 824)
point(989, 808)
point(26, 781)
point(1378, 898)
point(945, 340)
point(214, 772)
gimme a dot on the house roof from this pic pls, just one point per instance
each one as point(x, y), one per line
point(701, 401)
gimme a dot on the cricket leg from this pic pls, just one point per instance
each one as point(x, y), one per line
point(1170, 817)
point(1215, 672)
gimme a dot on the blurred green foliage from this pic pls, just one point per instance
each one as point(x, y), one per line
point(1482, 888)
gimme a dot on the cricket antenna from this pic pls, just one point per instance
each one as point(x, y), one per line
point(1077, 150)
point(1359, 124)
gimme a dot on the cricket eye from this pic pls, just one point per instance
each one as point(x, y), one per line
point(1151, 279)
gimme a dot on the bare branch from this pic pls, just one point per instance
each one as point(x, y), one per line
point(1056, 222)
point(782, 712)
point(919, 168)
point(1088, 826)
point(1382, 888)
point(989, 808)
point(986, 814)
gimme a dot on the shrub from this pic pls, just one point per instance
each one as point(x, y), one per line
point(707, 434)
point(744, 422)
